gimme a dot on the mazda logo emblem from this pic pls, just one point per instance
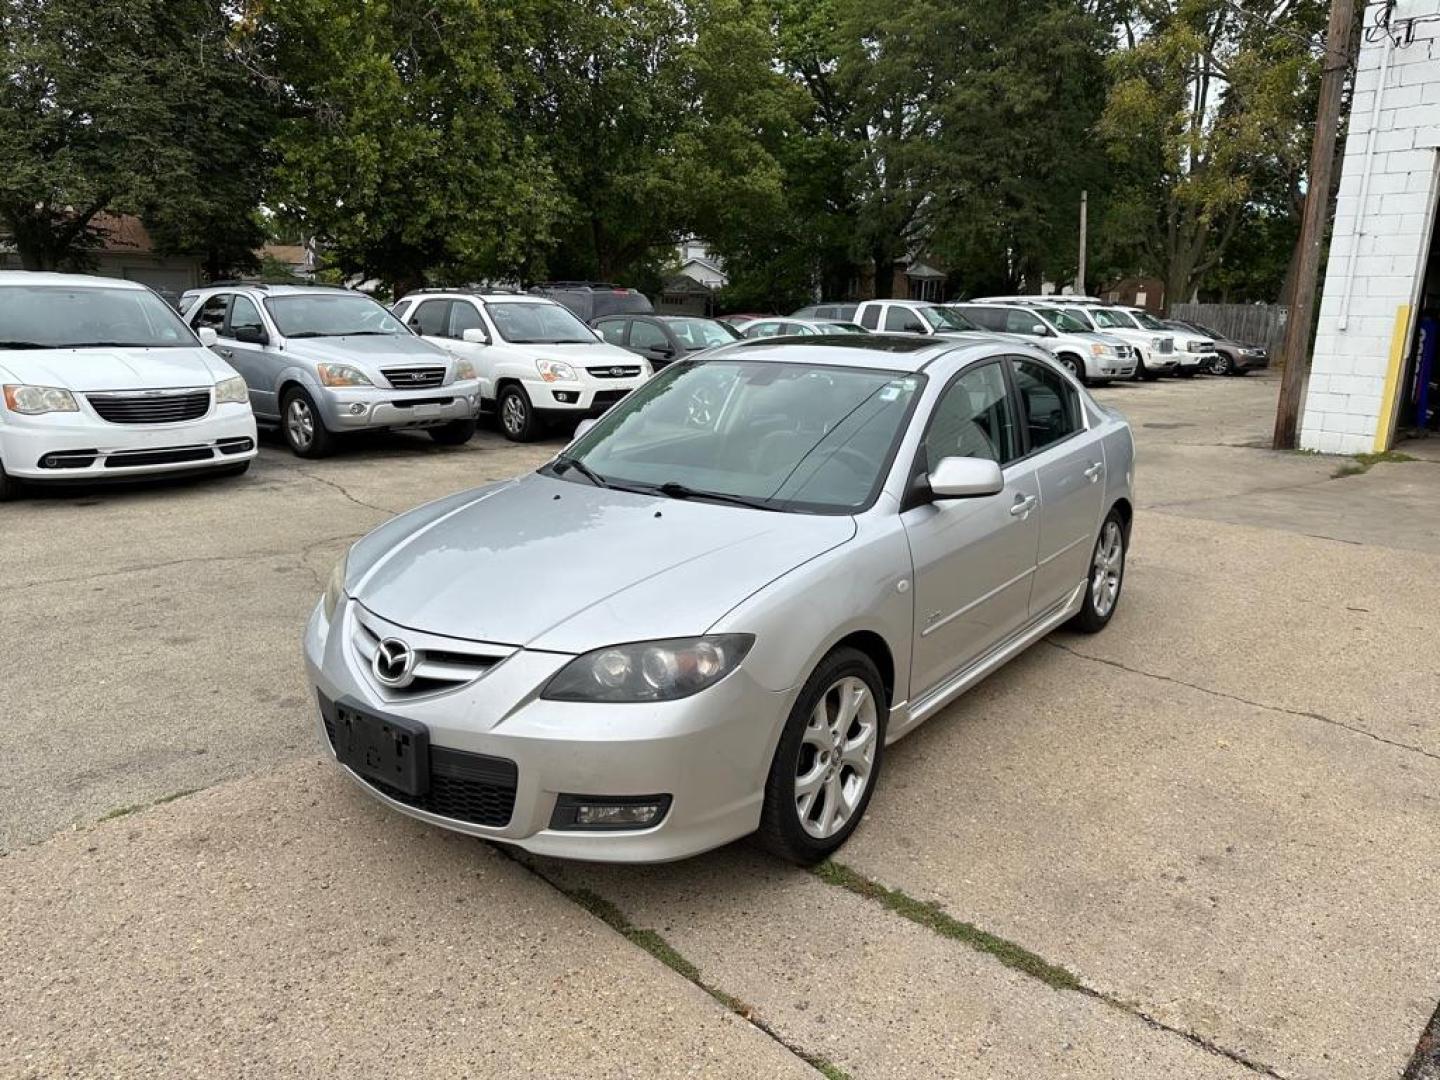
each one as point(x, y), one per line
point(394, 663)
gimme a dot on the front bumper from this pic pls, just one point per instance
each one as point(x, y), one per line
point(1251, 362)
point(1109, 367)
point(355, 408)
point(709, 752)
point(79, 447)
point(1194, 361)
point(579, 400)
point(1161, 362)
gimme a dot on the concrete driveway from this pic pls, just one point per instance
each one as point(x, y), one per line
point(1203, 843)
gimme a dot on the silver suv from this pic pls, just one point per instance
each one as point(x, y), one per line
point(320, 362)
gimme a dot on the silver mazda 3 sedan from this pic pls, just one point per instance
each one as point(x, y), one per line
point(710, 613)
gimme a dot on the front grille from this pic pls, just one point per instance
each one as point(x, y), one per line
point(440, 664)
point(414, 378)
point(615, 371)
point(171, 455)
point(1165, 345)
point(151, 407)
point(605, 398)
point(474, 788)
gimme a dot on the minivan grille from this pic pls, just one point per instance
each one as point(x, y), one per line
point(440, 664)
point(414, 378)
point(151, 407)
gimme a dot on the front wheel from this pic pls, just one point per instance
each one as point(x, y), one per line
point(1072, 365)
point(828, 761)
point(305, 430)
point(517, 416)
point(455, 433)
point(1107, 576)
point(9, 486)
point(1221, 364)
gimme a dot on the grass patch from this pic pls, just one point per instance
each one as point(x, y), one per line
point(174, 795)
point(1363, 463)
point(932, 918)
point(123, 811)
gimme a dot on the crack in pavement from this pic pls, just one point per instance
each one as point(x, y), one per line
point(1303, 714)
point(337, 486)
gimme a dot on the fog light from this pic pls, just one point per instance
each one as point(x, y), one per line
point(609, 811)
point(566, 397)
point(357, 409)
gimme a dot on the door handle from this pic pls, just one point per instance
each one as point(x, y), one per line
point(1023, 505)
point(225, 352)
point(1094, 471)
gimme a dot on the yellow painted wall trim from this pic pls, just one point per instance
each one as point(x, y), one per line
point(1390, 396)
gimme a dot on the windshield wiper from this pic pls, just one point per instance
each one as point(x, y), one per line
point(673, 489)
point(366, 333)
point(563, 463)
point(25, 345)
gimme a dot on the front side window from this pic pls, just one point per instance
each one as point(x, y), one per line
point(974, 419)
point(244, 315)
point(780, 436)
point(431, 318)
point(1049, 403)
point(211, 315)
point(944, 318)
point(1081, 316)
point(870, 317)
point(463, 316)
point(1066, 324)
point(1147, 321)
point(902, 320)
point(337, 314)
point(522, 323)
point(1024, 322)
point(644, 335)
point(1112, 320)
point(701, 333)
point(70, 317)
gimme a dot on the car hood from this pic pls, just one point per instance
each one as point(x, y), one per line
point(374, 352)
point(114, 368)
point(566, 567)
point(573, 352)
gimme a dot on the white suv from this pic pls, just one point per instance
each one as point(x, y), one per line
point(102, 380)
point(1090, 356)
point(1156, 350)
point(1193, 352)
point(911, 317)
point(536, 361)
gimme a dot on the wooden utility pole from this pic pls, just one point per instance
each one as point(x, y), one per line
point(1080, 277)
point(1295, 352)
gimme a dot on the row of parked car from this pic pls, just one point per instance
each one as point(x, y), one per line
point(104, 379)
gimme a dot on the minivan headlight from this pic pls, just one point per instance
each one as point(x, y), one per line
point(649, 670)
point(232, 390)
point(554, 371)
point(1099, 348)
point(34, 400)
point(342, 375)
point(334, 588)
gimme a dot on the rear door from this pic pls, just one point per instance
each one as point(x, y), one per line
point(1069, 465)
point(974, 558)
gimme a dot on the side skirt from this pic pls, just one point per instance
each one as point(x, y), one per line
point(905, 718)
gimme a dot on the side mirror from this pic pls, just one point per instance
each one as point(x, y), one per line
point(207, 336)
point(252, 335)
point(966, 478)
point(474, 337)
point(1040, 330)
point(581, 428)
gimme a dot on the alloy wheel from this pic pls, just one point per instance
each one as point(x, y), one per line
point(300, 423)
point(1109, 564)
point(512, 414)
point(1220, 365)
point(837, 757)
point(1072, 366)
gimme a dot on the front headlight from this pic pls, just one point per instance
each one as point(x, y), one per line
point(232, 390)
point(342, 375)
point(464, 369)
point(334, 588)
point(1195, 346)
point(34, 400)
point(554, 371)
point(1099, 348)
point(649, 670)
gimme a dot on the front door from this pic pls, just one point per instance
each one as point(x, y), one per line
point(974, 558)
point(1070, 467)
point(259, 362)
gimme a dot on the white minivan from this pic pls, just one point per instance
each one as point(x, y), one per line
point(102, 381)
point(537, 362)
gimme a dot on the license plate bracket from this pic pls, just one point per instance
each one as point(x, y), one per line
point(391, 749)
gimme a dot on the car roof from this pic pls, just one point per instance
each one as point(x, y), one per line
point(481, 295)
point(889, 352)
point(45, 277)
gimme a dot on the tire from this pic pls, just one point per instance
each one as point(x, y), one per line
point(1102, 594)
point(1142, 373)
point(302, 426)
point(811, 746)
point(518, 421)
point(9, 486)
point(1075, 367)
point(455, 433)
point(1222, 364)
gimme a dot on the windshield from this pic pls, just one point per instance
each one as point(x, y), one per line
point(701, 333)
point(1066, 324)
point(1148, 321)
point(69, 317)
point(1112, 320)
point(337, 314)
point(942, 318)
point(780, 436)
point(523, 323)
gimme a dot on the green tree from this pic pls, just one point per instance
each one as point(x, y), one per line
point(102, 109)
point(399, 146)
point(1209, 100)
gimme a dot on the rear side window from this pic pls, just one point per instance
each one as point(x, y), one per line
point(903, 320)
point(985, 318)
point(1049, 404)
point(431, 318)
point(212, 313)
point(870, 317)
point(613, 331)
point(974, 418)
point(1022, 322)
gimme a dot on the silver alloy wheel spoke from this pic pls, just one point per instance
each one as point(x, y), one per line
point(301, 424)
point(514, 415)
point(1107, 568)
point(837, 757)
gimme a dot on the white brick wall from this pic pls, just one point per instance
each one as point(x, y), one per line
point(1385, 240)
